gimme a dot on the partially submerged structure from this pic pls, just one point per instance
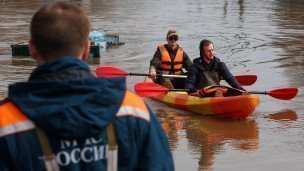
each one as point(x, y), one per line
point(22, 49)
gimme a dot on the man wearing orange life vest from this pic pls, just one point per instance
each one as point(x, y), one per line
point(170, 58)
point(65, 118)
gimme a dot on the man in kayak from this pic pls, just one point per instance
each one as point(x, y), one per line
point(65, 118)
point(170, 58)
point(207, 71)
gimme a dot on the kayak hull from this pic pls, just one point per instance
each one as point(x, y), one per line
point(236, 107)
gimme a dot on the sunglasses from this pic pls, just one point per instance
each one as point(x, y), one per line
point(173, 38)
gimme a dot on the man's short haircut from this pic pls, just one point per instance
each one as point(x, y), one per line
point(59, 29)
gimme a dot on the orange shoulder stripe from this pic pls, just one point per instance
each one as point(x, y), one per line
point(134, 105)
point(9, 114)
point(13, 120)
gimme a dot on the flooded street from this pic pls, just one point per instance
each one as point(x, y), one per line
point(264, 38)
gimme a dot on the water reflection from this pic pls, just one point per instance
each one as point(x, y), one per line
point(208, 135)
point(172, 124)
point(241, 10)
point(284, 115)
point(288, 17)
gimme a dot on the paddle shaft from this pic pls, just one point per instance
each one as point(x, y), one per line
point(179, 76)
point(250, 92)
point(258, 92)
point(159, 75)
point(187, 90)
point(108, 71)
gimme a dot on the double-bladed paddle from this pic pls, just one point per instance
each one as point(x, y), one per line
point(152, 89)
point(108, 71)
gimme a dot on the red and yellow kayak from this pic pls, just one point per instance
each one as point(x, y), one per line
point(235, 106)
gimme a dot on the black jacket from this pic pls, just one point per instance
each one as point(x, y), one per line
point(202, 74)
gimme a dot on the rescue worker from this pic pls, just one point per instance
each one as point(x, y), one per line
point(65, 118)
point(206, 73)
point(170, 58)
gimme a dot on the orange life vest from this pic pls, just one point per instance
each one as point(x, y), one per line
point(167, 64)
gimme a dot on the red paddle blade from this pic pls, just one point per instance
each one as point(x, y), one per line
point(149, 89)
point(246, 80)
point(284, 93)
point(107, 71)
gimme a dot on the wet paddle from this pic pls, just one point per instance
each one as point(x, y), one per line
point(152, 89)
point(282, 93)
point(108, 71)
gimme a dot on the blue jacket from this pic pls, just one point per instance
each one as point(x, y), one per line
point(73, 108)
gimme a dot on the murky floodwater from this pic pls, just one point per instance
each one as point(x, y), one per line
point(253, 37)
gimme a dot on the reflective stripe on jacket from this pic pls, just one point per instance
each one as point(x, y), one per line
point(13, 120)
point(135, 106)
point(167, 64)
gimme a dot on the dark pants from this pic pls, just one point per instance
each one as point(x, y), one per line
point(178, 83)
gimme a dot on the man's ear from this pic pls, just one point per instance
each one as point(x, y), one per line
point(86, 50)
point(33, 50)
point(34, 53)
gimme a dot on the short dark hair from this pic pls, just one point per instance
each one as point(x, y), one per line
point(59, 29)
